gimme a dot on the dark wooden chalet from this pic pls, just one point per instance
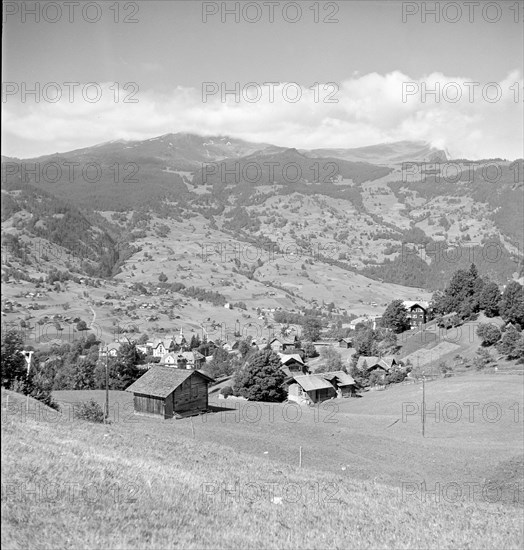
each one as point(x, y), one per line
point(418, 313)
point(170, 392)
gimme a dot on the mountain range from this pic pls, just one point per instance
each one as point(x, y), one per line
point(380, 217)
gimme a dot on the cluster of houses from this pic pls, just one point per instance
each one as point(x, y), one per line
point(175, 386)
point(175, 389)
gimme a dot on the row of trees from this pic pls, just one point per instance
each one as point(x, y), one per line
point(73, 366)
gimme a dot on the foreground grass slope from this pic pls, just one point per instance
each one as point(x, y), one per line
point(139, 489)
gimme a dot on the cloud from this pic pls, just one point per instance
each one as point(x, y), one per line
point(470, 120)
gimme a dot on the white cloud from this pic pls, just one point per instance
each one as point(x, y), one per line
point(371, 108)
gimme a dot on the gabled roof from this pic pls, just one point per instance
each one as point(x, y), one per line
point(113, 345)
point(310, 382)
point(161, 381)
point(287, 358)
point(342, 378)
point(282, 341)
point(347, 340)
point(408, 304)
point(383, 362)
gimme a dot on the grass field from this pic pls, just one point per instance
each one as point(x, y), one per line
point(232, 479)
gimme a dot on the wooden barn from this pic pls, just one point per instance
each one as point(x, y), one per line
point(169, 392)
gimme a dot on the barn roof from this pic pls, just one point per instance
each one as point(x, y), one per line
point(286, 358)
point(383, 362)
point(310, 382)
point(161, 381)
point(343, 379)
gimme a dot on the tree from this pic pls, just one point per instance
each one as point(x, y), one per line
point(311, 329)
point(488, 333)
point(483, 359)
point(162, 277)
point(365, 342)
point(221, 364)
point(462, 293)
point(332, 360)
point(512, 303)
point(396, 317)
point(310, 350)
point(245, 347)
point(508, 343)
point(81, 325)
point(261, 378)
point(14, 367)
point(489, 299)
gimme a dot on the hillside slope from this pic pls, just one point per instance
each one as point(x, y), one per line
point(92, 486)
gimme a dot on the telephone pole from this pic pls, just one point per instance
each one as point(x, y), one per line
point(423, 408)
point(107, 385)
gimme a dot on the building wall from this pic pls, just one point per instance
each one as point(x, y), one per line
point(149, 405)
point(296, 394)
point(191, 395)
point(318, 396)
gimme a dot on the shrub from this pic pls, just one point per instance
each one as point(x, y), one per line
point(395, 376)
point(483, 359)
point(226, 391)
point(90, 411)
point(488, 333)
point(376, 378)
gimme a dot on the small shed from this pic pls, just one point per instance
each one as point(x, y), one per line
point(345, 343)
point(170, 392)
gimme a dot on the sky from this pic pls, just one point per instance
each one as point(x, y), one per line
point(342, 74)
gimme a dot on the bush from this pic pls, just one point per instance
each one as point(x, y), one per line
point(394, 377)
point(376, 378)
point(484, 359)
point(488, 333)
point(90, 411)
point(226, 391)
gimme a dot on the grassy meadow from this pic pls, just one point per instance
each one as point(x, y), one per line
point(232, 479)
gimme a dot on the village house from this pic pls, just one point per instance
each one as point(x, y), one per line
point(167, 392)
point(371, 363)
point(193, 359)
point(111, 350)
point(417, 313)
point(292, 364)
point(169, 359)
point(282, 344)
point(312, 388)
point(344, 384)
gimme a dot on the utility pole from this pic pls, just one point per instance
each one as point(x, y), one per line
point(423, 408)
point(107, 385)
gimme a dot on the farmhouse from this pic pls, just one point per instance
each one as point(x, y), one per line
point(311, 388)
point(193, 359)
point(167, 392)
point(343, 383)
point(417, 313)
point(282, 344)
point(161, 346)
point(371, 363)
point(292, 364)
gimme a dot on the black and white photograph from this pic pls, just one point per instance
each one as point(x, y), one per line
point(262, 270)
